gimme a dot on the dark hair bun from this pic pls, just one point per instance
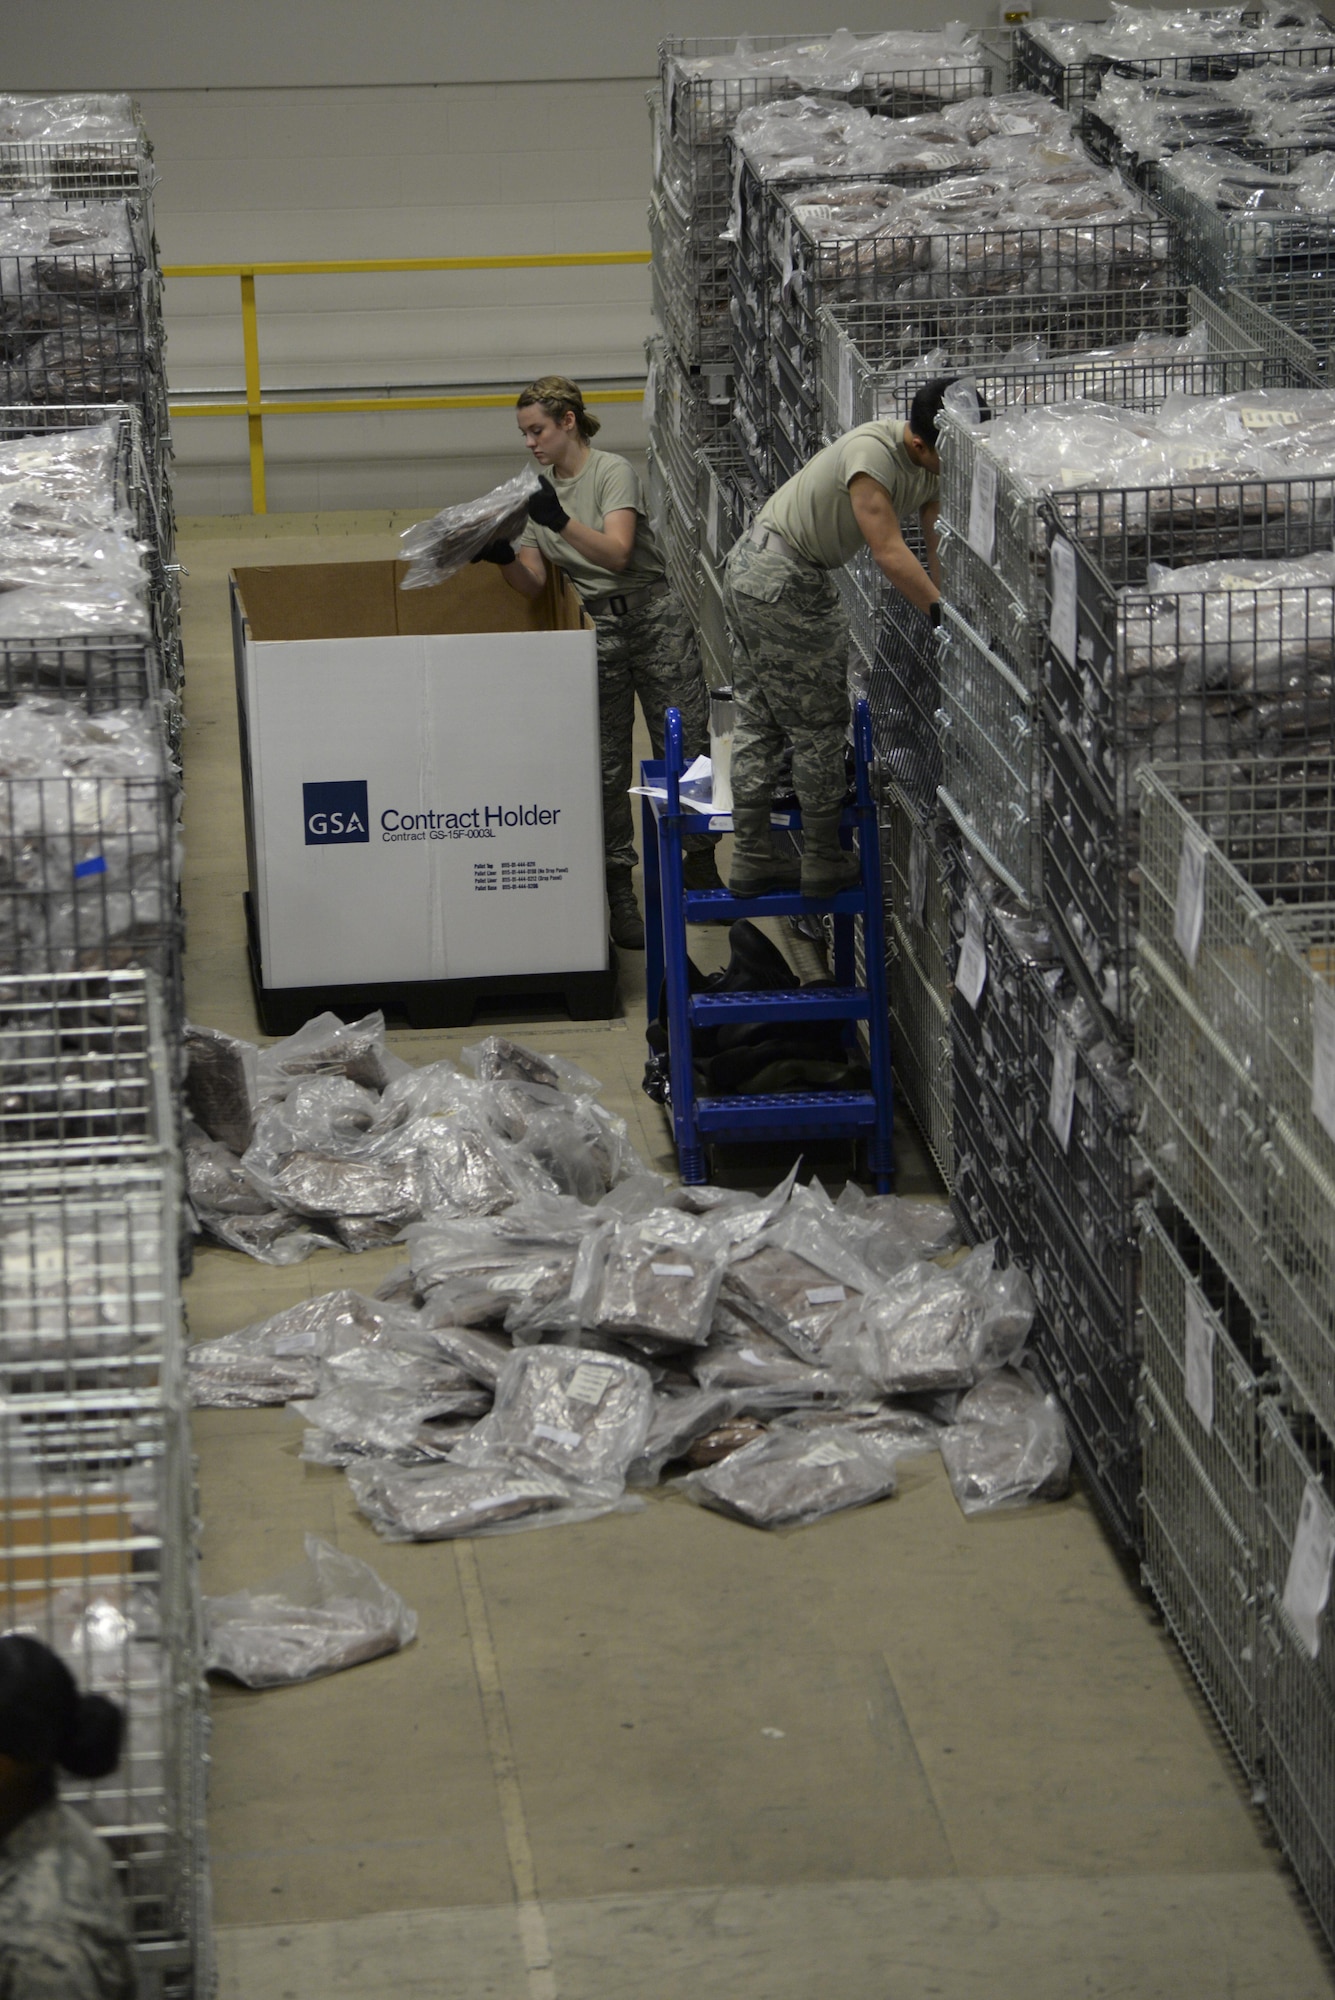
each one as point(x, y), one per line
point(92, 1746)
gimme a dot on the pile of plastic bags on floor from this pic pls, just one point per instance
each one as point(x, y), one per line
point(329, 1139)
point(779, 1354)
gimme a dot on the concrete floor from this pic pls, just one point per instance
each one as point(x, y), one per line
point(660, 1756)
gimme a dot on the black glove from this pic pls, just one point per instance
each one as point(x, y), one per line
point(497, 552)
point(546, 509)
point(934, 612)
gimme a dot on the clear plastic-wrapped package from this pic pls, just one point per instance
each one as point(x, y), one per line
point(840, 61)
point(583, 1414)
point(276, 1360)
point(797, 1281)
point(328, 1612)
point(1132, 34)
point(479, 1356)
point(326, 1046)
point(351, 1420)
point(432, 1503)
point(765, 1375)
point(1007, 1445)
point(1255, 627)
point(215, 1179)
point(679, 1421)
point(438, 549)
point(660, 1281)
point(220, 1084)
point(85, 118)
point(932, 1329)
point(790, 1478)
point(497, 1059)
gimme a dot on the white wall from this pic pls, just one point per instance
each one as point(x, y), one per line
point(401, 171)
point(311, 129)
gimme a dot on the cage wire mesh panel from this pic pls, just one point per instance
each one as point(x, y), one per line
point(703, 87)
point(916, 867)
point(731, 495)
point(85, 1071)
point(1205, 1375)
point(96, 1550)
point(1237, 862)
point(82, 325)
point(1229, 43)
point(989, 755)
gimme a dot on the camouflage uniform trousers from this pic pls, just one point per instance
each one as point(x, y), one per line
point(63, 1931)
point(789, 638)
point(650, 651)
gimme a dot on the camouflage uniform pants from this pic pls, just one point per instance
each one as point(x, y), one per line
point(650, 651)
point(789, 637)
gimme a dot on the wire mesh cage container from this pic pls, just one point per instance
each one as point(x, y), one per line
point(1205, 1357)
point(1132, 348)
point(1298, 1745)
point(989, 756)
point(85, 1072)
point(88, 873)
point(1278, 256)
point(730, 497)
point(1229, 663)
point(921, 1046)
point(1229, 41)
point(1081, 1133)
point(81, 147)
point(1087, 1354)
point(96, 1549)
point(989, 1033)
point(705, 83)
point(81, 308)
point(896, 650)
point(1202, 1575)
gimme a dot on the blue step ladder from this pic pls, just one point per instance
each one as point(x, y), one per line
point(669, 906)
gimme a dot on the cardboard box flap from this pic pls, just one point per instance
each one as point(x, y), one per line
point(362, 600)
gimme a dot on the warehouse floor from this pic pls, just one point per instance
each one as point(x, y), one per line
point(660, 1756)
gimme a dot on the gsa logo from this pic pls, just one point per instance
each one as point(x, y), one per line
point(336, 813)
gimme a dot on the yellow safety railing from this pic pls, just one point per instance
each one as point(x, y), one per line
point(255, 409)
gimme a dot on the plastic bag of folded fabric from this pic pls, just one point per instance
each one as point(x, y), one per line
point(438, 549)
point(1007, 1445)
point(329, 1612)
point(435, 1503)
point(789, 1479)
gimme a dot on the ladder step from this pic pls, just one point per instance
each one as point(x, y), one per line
point(719, 906)
point(819, 1114)
point(808, 1003)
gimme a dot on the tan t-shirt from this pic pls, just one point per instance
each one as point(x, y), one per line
point(813, 510)
point(603, 484)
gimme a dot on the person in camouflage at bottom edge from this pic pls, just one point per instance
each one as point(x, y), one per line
point(790, 639)
point(63, 1928)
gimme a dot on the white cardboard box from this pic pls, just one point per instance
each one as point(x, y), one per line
point(422, 777)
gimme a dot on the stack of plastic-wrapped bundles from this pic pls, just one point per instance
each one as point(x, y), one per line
point(572, 1325)
point(1069, 58)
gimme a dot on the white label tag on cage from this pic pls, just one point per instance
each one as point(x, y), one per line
point(788, 266)
point(658, 148)
point(845, 389)
point(1061, 1097)
point(1307, 1585)
point(673, 1270)
point(1061, 618)
point(826, 1295)
point(830, 1453)
point(971, 975)
point(711, 520)
point(589, 1383)
point(917, 874)
point(1189, 910)
point(983, 507)
point(1199, 1359)
point(1323, 1055)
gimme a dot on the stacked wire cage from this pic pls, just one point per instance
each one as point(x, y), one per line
point(97, 1513)
point(1234, 1049)
point(994, 536)
point(731, 495)
point(1048, 58)
point(96, 1503)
